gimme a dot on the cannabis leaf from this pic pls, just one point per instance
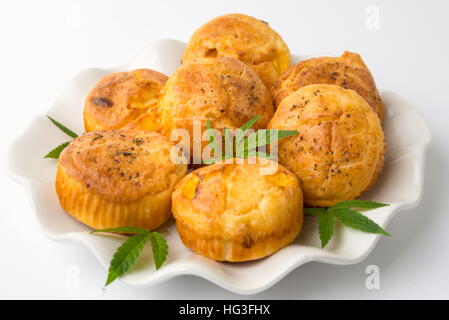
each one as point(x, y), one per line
point(126, 255)
point(360, 204)
point(213, 144)
point(350, 218)
point(246, 142)
point(326, 226)
point(54, 154)
point(358, 221)
point(248, 125)
point(63, 128)
point(314, 211)
point(267, 136)
point(160, 248)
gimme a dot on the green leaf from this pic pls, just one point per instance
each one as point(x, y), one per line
point(254, 153)
point(249, 124)
point(54, 154)
point(228, 140)
point(359, 204)
point(213, 143)
point(63, 128)
point(209, 161)
point(325, 226)
point(122, 230)
point(314, 211)
point(160, 248)
point(261, 138)
point(209, 127)
point(357, 221)
point(126, 255)
point(265, 137)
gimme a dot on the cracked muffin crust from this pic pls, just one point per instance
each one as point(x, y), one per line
point(232, 212)
point(223, 90)
point(245, 38)
point(118, 178)
point(339, 151)
point(119, 99)
point(348, 71)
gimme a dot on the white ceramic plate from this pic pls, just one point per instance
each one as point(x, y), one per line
point(399, 185)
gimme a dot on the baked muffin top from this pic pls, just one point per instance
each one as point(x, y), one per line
point(120, 98)
point(339, 150)
point(224, 90)
point(348, 71)
point(235, 201)
point(242, 37)
point(121, 166)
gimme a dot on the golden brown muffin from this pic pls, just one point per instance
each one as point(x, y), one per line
point(348, 71)
point(241, 37)
point(339, 151)
point(231, 212)
point(118, 178)
point(223, 90)
point(118, 99)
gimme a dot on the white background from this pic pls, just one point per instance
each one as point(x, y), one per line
point(43, 43)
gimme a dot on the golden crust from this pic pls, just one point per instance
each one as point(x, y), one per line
point(348, 71)
point(339, 151)
point(223, 90)
point(118, 178)
point(118, 99)
point(241, 37)
point(231, 212)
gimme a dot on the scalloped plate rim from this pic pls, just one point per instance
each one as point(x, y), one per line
point(160, 277)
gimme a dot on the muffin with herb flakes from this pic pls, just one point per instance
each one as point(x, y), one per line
point(241, 37)
point(223, 90)
point(118, 178)
point(339, 151)
point(348, 71)
point(235, 212)
point(119, 99)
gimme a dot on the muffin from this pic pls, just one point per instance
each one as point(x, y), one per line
point(339, 151)
point(223, 90)
point(118, 178)
point(242, 37)
point(348, 71)
point(119, 99)
point(232, 212)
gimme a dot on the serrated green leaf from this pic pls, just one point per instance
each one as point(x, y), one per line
point(63, 128)
point(160, 248)
point(122, 230)
point(325, 226)
point(54, 154)
point(126, 255)
point(359, 204)
point(355, 220)
point(246, 146)
point(313, 211)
